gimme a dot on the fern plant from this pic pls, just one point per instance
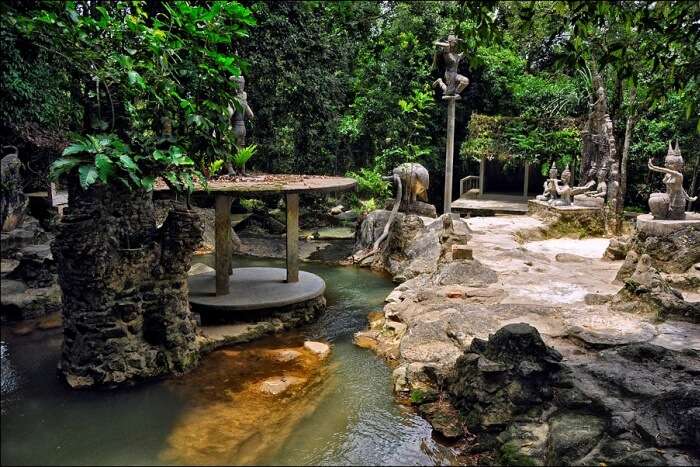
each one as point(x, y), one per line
point(243, 155)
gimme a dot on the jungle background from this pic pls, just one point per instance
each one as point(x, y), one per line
point(346, 87)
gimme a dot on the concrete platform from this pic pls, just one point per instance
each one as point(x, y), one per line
point(494, 204)
point(656, 227)
point(253, 288)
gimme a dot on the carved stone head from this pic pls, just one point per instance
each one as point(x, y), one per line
point(674, 160)
point(452, 40)
point(553, 172)
point(566, 175)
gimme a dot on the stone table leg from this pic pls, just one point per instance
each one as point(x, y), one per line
point(222, 255)
point(293, 237)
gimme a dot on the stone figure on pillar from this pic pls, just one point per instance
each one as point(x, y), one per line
point(237, 116)
point(454, 83)
point(670, 205)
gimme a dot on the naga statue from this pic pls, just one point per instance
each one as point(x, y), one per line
point(670, 205)
point(454, 83)
point(237, 116)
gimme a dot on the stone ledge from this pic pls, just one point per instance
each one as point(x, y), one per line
point(658, 227)
point(534, 205)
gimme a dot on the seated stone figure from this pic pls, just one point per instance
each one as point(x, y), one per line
point(601, 188)
point(590, 181)
point(670, 205)
point(550, 185)
point(563, 190)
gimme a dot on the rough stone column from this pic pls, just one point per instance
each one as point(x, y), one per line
point(124, 284)
point(449, 152)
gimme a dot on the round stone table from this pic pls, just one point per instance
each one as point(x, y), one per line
point(259, 287)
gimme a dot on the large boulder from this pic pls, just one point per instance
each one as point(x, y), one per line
point(508, 376)
point(13, 202)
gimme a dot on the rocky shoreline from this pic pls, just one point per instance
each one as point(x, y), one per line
point(523, 352)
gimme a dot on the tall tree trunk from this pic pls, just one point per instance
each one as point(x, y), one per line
point(632, 119)
point(693, 183)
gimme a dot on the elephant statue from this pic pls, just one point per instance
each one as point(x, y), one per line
point(415, 180)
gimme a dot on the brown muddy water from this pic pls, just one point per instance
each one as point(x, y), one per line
point(337, 411)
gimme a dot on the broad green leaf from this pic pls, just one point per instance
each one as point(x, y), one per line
point(75, 148)
point(147, 183)
point(61, 166)
point(104, 166)
point(128, 163)
point(88, 175)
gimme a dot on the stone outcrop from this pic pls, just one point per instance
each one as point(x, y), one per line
point(508, 377)
point(633, 404)
point(124, 283)
point(13, 202)
point(673, 253)
point(412, 247)
point(645, 291)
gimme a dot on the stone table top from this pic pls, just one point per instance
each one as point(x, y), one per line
point(272, 183)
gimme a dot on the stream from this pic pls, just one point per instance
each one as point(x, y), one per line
point(344, 414)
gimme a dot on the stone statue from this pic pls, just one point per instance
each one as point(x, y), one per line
point(590, 181)
point(13, 201)
point(670, 205)
point(601, 189)
point(550, 185)
point(415, 179)
point(237, 115)
point(454, 83)
point(563, 191)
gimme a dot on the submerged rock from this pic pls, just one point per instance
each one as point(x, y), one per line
point(318, 348)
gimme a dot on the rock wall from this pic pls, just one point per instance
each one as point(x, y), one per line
point(124, 284)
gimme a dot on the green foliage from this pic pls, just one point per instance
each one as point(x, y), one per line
point(105, 157)
point(215, 167)
point(417, 396)
point(243, 155)
point(509, 454)
point(517, 139)
point(34, 87)
point(137, 67)
point(251, 204)
point(370, 184)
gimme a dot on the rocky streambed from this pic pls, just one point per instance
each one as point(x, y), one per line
point(523, 353)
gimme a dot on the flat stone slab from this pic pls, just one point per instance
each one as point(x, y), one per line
point(535, 204)
point(254, 289)
point(657, 227)
point(494, 205)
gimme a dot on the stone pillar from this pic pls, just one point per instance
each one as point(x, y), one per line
point(292, 237)
point(124, 284)
point(449, 153)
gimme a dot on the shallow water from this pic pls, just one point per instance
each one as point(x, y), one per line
point(345, 413)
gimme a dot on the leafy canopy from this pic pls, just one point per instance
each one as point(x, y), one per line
point(155, 84)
